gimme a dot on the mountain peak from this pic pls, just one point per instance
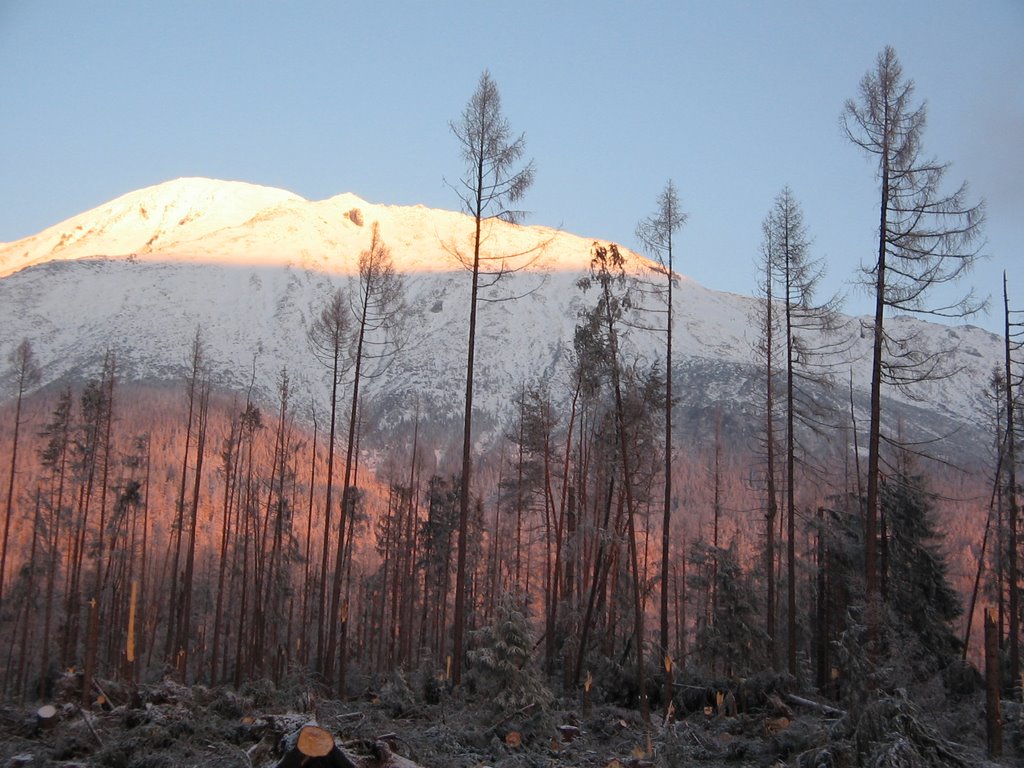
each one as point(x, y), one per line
point(201, 219)
point(143, 221)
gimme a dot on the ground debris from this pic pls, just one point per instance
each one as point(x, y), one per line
point(892, 732)
point(167, 724)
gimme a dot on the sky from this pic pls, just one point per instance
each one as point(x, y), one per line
point(730, 100)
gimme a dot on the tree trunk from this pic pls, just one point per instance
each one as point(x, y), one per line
point(324, 621)
point(638, 616)
point(459, 619)
point(347, 498)
point(305, 587)
point(1011, 494)
point(666, 523)
point(230, 457)
point(185, 614)
point(875, 425)
point(823, 662)
point(773, 504)
point(993, 673)
point(9, 509)
point(790, 485)
point(599, 576)
point(179, 519)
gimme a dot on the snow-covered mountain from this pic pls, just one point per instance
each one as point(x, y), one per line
point(251, 266)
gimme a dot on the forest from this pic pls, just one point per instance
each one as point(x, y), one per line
point(180, 532)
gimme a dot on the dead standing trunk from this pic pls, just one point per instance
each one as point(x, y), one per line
point(27, 373)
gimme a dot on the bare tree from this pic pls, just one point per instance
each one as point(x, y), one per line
point(184, 619)
point(197, 363)
point(54, 457)
point(656, 233)
point(492, 182)
point(100, 424)
point(25, 372)
point(926, 239)
point(608, 274)
point(789, 264)
point(276, 537)
point(327, 338)
point(1012, 379)
point(377, 322)
point(768, 351)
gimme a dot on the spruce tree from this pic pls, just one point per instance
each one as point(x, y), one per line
point(503, 662)
point(918, 593)
point(730, 633)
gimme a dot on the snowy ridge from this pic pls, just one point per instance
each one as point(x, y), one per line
point(145, 220)
point(250, 265)
point(206, 220)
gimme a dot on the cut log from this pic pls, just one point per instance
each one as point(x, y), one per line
point(313, 747)
point(314, 741)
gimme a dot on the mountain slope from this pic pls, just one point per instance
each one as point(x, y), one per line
point(251, 265)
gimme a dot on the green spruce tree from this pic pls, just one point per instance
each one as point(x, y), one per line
point(502, 663)
point(921, 602)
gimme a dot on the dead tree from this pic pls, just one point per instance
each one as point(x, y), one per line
point(377, 313)
point(806, 364)
point(1012, 379)
point(193, 382)
point(26, 373)
point(491, 183)
point(327, 338)
point(54, 458)
point(926, 238)
point(656, 233)
point(606, 272)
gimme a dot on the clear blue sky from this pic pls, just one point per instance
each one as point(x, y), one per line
point(732, 100)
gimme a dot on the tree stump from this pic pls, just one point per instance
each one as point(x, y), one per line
point(46, 716)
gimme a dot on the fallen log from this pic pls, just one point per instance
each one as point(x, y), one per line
point(102, 700)
point(777, 707)
point(381, 756)
point(313, 747)
point(88, 722)
point(824, 709)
